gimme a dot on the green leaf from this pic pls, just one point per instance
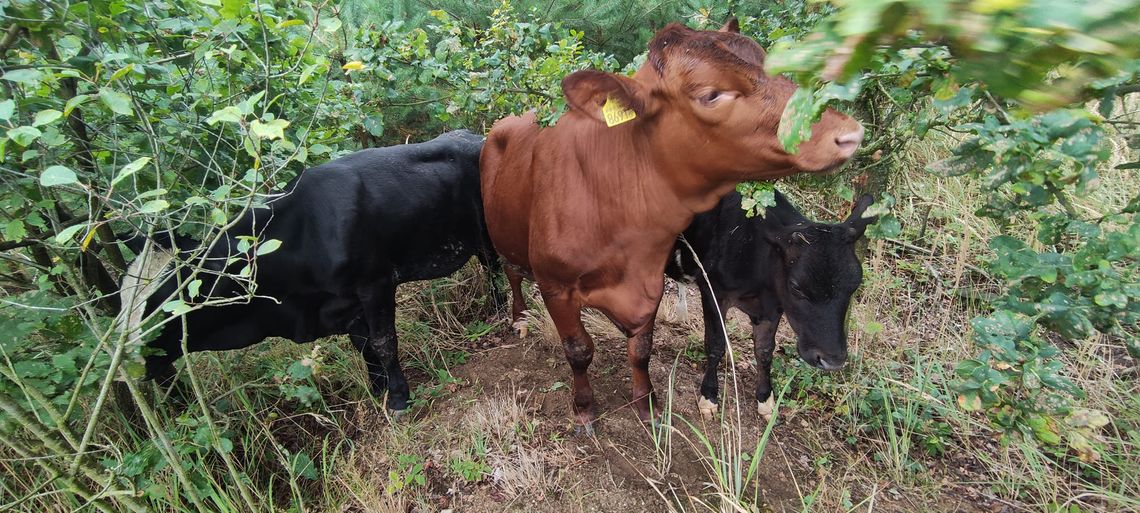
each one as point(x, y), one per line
point(121, 72)
point(229, 114)
point(301, 369)
point(970, 401)
point(24, 135)
point(302, 465)
point(330, 25)
point(7, 108)
point(119, 103)
point(67, 234)
point(267, 247)
point(225, 445)
point(231, 8)
point(307, 73)
point(796, 120)
point(130, 169)
point(248, 105)
point(30, 77)
point(58, 175)
point(886, 227)
point(273, 129)
point(375, 125)
point(46, 116)
point(1111, 298)
point(1044, 429)
point(15, 230)
point(1133, 206)
point(151, 193)
point(154, 206)
point(193, 288)
point(75, 102)
point(176, 307)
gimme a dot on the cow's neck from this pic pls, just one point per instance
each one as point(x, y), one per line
point(621, 172)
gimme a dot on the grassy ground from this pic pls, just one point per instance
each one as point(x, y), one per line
point(490, 429)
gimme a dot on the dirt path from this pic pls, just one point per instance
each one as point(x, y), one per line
point(622, 468)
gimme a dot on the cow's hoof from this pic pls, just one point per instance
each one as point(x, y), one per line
point(766, 408)
point(658, 423)
point(584, 430)
point(397, 414)
point(521, 327)
point(707, 408)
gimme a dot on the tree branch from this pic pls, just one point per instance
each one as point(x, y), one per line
point(31, 241)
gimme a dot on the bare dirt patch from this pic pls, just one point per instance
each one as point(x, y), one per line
point(622, 468)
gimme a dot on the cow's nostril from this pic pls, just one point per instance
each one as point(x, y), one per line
point(849, 142)
point(830, 365)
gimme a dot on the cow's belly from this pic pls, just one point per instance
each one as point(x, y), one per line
point(442, 264)
point(507, 185)
point(508, 225)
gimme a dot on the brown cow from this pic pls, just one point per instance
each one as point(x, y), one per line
point(590, 211)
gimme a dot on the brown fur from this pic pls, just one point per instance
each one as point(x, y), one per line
point(591, 212)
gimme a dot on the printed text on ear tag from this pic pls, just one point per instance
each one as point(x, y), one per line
point(616, 113)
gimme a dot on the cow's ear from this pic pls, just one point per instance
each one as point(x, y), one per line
point(856, 223)
point(731, 25)
point(783, 213)
point(607, 97)
point(787, 238)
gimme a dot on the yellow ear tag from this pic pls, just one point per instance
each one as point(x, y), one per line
point(615, 113)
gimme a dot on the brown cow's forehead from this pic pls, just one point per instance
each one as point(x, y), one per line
point(729, 51)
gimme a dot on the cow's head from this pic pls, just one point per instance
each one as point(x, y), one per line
point(705, 98)
point(816, 274)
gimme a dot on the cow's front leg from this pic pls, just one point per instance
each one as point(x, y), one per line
point(640, 348)
point(715, 343)
point(379, 304)
point(579, 349)
point(377, 376)
point(492, 265)
point(764, 339)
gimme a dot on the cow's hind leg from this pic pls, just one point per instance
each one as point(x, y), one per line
point(579, 349)
point(518, 304)
point(379, 304)
point(160, 369)
point(715, 344)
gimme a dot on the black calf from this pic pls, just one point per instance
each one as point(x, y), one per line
point(780, 263)
point(351, 230)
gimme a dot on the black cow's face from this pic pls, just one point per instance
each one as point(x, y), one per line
point(817, 275)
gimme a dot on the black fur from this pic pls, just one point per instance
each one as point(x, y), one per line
point(351, 231)
point(778, 264)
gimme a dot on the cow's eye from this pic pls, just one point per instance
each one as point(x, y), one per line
point(710, 98)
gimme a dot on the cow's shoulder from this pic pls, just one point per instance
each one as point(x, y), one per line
point(512, 130)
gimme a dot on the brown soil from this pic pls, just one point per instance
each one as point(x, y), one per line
point(612, 471)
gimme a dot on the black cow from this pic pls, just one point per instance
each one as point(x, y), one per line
point(351, 230)
point(780, 263)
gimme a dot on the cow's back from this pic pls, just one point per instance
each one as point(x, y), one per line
point(413, 209)
point(507, 178)
point(732, 249)
point(398, 214)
